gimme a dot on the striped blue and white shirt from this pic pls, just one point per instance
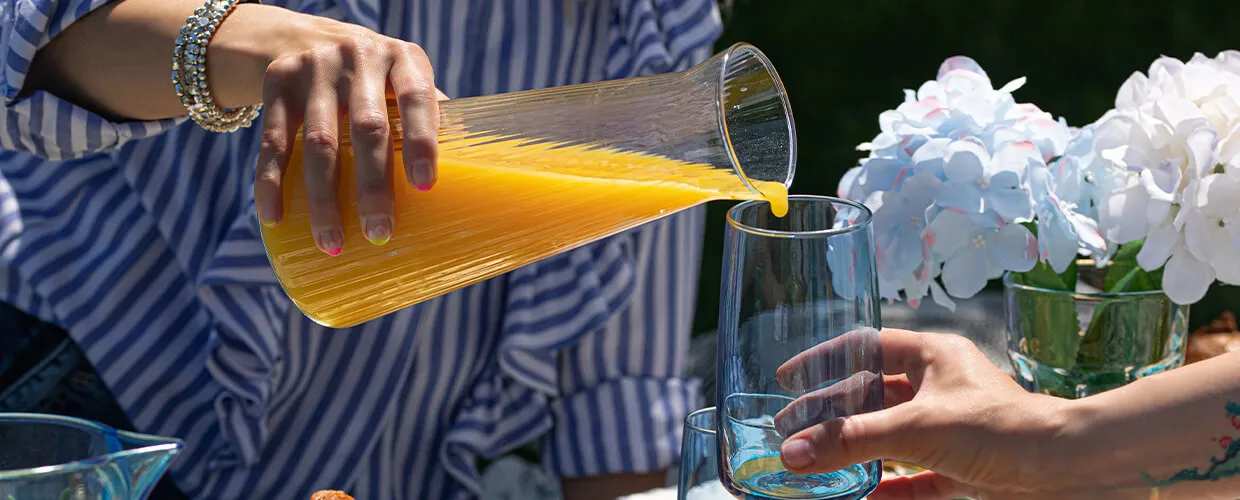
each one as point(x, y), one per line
point(140, 240)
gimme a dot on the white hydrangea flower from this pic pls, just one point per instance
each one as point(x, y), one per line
point(1179, 181)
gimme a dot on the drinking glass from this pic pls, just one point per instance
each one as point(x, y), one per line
point(699, 462)
point(805, 280)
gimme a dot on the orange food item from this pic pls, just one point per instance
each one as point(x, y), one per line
point(330, 495)
point(498, 205)
point(1220, 337)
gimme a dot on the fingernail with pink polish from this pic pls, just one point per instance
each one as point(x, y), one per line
point(378, 228)
point(422, 175)
point(330, 241)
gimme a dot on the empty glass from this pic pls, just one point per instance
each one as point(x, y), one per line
point(55, 457)
point(805, 280)
point(699, 461)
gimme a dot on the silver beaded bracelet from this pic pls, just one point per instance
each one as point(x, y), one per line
point(189, 71)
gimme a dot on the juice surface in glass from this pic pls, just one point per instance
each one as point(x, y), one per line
point(498, 205)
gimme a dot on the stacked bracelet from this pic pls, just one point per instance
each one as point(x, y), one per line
point(189, 71)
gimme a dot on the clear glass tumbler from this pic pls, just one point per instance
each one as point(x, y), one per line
point(789, 284)
point(699, 460)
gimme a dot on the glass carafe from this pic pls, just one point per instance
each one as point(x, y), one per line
point(54, 457)
point(526, 175)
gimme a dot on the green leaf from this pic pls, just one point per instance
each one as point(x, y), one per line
point(1042, 276)
point(1125, 275)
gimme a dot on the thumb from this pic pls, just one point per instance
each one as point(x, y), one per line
point(840, 442)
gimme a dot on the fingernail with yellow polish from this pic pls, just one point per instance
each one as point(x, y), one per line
point(378, 228)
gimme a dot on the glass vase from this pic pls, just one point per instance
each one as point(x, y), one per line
point(1073, 344)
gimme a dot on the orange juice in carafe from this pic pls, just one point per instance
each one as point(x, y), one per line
point(527, 175)
point(496, 207)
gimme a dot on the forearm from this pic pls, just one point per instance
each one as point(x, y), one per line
point(1177, 432)
point(117, 60)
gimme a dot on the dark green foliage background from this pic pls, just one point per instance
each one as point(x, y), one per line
point(844, 62)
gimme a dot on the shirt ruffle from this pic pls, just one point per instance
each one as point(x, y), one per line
point(513, 405)
point(244, 347)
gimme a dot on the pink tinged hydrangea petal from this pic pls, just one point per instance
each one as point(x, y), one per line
point(887, 121)
point(848, 183)
point(950, 232)
point(1017, 157)
point(882, 174)
point(964, 196)
point(1013, 85)
point(920, 189)
point(1186, 279)
point(977, 108)
point(1133, 92)
point(929, 157)
point(966, 160)
point(1161, 243)
point(1012, 248)
point(1008, 197)
point(997, 137)
point(940, 297)
point(965, 273)
point(964, 63)
point(1057, 243)
point(1088, 233)
point(957, 83)
point(1050, 137)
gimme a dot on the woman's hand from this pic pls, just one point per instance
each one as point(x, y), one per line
point(947, 408)
point(336, 69)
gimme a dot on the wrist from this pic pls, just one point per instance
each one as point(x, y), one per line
point(1094, 450)
point(243, 46)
